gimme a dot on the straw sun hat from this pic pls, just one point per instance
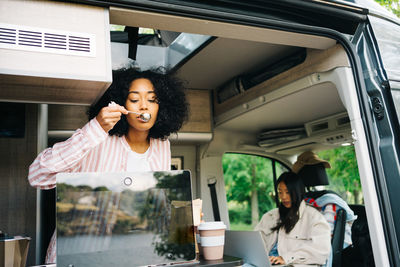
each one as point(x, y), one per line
point(308, 158)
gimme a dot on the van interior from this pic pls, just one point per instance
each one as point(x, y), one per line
point(247, 86)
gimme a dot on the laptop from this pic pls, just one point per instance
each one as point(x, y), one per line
point(124, 219)
point(247, 245)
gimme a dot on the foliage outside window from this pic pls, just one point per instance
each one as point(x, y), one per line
point(392, 5)
point(343, 177)
point(250, 188)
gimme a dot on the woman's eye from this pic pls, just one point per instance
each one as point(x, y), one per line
point(153, 100)
point(134, 100)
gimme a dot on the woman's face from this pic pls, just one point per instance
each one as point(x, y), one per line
point(142, 99)
point(284, 195)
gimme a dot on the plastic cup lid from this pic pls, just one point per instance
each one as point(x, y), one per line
point(212, 226)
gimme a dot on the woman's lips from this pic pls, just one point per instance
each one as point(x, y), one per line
point(140, 119)
point(144, 117)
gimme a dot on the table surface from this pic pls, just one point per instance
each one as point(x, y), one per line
point(227, 261)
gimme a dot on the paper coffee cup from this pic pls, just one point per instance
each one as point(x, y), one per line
point(212, 239)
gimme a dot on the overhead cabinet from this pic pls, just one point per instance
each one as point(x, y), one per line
point(53, 52)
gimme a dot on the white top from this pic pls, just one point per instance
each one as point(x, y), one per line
point(138, 162)
point(309, 242)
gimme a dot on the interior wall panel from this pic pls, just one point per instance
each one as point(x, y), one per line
point(17, 197)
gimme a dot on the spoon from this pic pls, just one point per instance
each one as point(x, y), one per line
point(143, 116)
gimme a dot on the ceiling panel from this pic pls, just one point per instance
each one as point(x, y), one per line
point(225, 58)
point(293, 110)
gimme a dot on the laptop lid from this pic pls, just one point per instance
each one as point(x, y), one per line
point(247, 245)
point(124, 219)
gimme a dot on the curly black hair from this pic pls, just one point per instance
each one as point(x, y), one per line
point(169, 90)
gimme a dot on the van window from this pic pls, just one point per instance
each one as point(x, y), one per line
point(343, 175)
point(387, 35)
point(249, 185)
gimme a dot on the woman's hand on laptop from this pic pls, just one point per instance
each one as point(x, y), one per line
point(276, 260)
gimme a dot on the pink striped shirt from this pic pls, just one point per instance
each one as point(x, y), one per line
point(90, 149)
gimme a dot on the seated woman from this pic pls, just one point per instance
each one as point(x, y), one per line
point(311, 170)
point(295, 233)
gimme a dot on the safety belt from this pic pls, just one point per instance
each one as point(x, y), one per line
point(211, 184)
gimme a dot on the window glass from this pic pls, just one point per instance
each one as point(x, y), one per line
point(343, 175)
point(387, 35)
point(249, 183)
point(249, 186)
point(395, 89)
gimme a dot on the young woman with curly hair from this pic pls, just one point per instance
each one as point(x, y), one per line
point(115, 139)
point(295, 233)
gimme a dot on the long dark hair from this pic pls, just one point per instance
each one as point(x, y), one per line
point(169, 90)
point(288, 217)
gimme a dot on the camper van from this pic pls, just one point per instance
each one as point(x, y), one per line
point(266, 81)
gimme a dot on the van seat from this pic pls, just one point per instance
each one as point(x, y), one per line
point(360, 253)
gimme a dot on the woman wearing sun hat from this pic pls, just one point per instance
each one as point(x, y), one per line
point(311, 170)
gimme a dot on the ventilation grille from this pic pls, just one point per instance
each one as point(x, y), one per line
point(339, 139)
point(331, 123)
point(335, 139)
point(46, 40)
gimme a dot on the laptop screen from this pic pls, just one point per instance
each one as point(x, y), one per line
point(124, 218)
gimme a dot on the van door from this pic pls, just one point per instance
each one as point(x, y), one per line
point(378, 47)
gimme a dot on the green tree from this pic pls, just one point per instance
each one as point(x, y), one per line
point(249, 186)
point(343, 176)
point(392, 5)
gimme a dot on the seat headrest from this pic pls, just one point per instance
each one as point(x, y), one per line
point(313, 175)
